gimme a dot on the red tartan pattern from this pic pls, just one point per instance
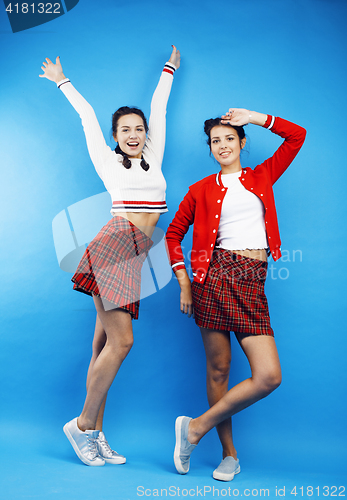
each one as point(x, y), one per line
point(111, 266)
point(232, 297)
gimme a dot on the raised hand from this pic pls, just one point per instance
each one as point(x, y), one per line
point(175, 57)
point(51, 71)
point(236, 116)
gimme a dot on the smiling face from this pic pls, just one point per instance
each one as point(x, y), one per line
point(131, 135)
point(226, 147)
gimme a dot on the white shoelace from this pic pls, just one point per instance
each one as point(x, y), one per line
point(106, 447)
point(93, 449)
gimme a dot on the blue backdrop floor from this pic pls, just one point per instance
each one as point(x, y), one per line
point(40, 464)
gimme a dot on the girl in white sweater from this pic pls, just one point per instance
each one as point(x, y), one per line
point(110, 269)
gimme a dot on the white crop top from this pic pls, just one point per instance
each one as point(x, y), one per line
point(133, 189)
point(242, 224)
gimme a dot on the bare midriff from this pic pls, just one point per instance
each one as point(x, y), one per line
point(146, 222)
point(259, 254)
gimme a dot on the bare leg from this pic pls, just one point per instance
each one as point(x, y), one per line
point(263, 358)
point(218, 358)
point(99, 342)
point(119, 340)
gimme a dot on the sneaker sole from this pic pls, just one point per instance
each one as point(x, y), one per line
point(220, 476)
point(114, 461)
point(77, 451)
point(177, 461)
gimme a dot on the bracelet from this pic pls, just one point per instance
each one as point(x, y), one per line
point(249, 117)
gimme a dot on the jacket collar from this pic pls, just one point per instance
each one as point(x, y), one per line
point(219, 179)
point(219, 176)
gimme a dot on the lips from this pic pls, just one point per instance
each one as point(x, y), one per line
point(133, 144)
point(224, 154)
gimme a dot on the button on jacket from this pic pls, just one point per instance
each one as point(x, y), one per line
point(202, 205)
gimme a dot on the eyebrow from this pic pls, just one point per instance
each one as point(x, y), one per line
point(228, 135)
point(136, 126)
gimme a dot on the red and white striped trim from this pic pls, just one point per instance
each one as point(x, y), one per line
point(153, 206)
point(178, 264)
point(169, 68)
point(270, 120)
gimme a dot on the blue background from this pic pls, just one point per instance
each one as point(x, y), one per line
point(286, 58)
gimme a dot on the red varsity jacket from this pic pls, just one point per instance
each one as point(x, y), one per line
point(202, 204)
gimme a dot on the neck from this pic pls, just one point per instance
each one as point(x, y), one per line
point(230, 169)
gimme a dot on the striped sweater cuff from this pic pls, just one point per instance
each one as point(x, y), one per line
point(169, 68)
point(177, 266)
point(270, 120)
point(59, 84)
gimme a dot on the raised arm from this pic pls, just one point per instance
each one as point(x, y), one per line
point(155, 143)
point(97, 147)
point(293, 135)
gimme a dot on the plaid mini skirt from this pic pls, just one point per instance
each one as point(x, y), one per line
point(111, 266)
point(232, 297)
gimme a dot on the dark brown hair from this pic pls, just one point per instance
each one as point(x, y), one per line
point(215, 122)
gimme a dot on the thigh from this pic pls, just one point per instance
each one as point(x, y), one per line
point(262, 354)
point(115, 322)
point(217, 345)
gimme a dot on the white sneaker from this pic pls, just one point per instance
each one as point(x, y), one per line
point(183, 448)
point(227, 469)
point(84, 443)
point(106, 453)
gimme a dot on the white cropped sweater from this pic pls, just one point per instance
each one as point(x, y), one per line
point(133, 189)
point(241, 223)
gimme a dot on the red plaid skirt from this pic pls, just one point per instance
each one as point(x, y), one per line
point(232, 297)
point(111, 266)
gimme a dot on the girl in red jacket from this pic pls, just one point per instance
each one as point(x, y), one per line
point(235, 229)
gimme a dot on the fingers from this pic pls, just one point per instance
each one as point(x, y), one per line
point(226, 119)
point(187, 309)
point(47, 62)
point(175, 56)
point(51, 69)
point(229, 113)
point(236, 116)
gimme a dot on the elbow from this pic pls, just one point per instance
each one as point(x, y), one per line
point(302, 136)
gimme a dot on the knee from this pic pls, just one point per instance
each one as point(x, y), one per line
point(218, 371)
point(124, 346)
point(270, 381)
